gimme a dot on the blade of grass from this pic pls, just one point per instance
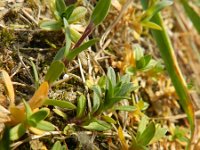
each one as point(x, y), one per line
point(168, 55)
point(194, 17)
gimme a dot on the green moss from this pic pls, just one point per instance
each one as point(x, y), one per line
point(6, 37)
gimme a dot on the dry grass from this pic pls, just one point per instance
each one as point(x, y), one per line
point(21, 40)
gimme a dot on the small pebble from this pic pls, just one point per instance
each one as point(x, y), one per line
point(65, 76)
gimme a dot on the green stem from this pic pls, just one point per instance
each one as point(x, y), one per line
point(167, 52)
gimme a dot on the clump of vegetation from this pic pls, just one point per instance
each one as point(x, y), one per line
point(109, 111)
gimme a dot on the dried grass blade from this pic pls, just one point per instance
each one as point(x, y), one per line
point(168, 55)
point(194, 17)
point(5, 79)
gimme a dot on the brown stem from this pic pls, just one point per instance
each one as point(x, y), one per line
point(86, 33)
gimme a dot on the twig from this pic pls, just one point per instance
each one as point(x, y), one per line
point(124, 8)
point(34, 137)
point(177, 117)
point(83, 77)
point(29, 17)
point(26, 68)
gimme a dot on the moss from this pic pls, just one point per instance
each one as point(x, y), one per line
point(6, 37)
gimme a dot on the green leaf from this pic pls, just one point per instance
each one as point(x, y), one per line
point(50, 25)
point(17, 131)
point(62, 53)
point(54, 71)
point(109, 119)
point(136, 146)
point(102, 82)
point(150, 12)
point(145, 4)
point(151, 25)
point(28, 109)
point(45, 126)
point(147, 135)
point(131, 70)
point(60, 113)
point(60, 103)
point(160, 133)
point(74, 52)
point(5, 139)
point(138, 52)
point(194, 17)
point(125, 108)
point(125, 78)
point(112, 76)
point(168, 55)
point(75, 35)
point(38, 116)
point(149, 66)
point(68, 12)
point(100, 11)
point(142, 125)
point(143, 62)
point(57, 146)
point(81, 106)
point(98, 125)
point(60, 6)
point(96, 101)
point(78, 14)
point(124, 90)
point(180, 134)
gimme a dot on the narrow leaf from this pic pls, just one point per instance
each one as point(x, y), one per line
point(38, 116)
point(142, 125)
point(62, 53)
point(100, 11)
point(54, 71)
point(194, 17)
point(35, 130)
point(75, 35)
point(60, 103)
point(151, 25)
point(28, 109)
point(5, 139)
point(60, 6)
point(98, 125)
point(138, 52)
point(45, 125)
point(112, 76)
point(5, 78)
point(17, 131)
point(74, 52)
point(160, 133)
point(60, 113)
point(109, 119)
point(125, 108)
point(122, 139)
point(68, 12)
point(57, 146)
point(50, 25)
point(147, 135)
point(168, 55)
point(40, 96)
point(81, 106)
point(78, 14)
point(96, 98)
point(17, 114)
point(150, 12)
